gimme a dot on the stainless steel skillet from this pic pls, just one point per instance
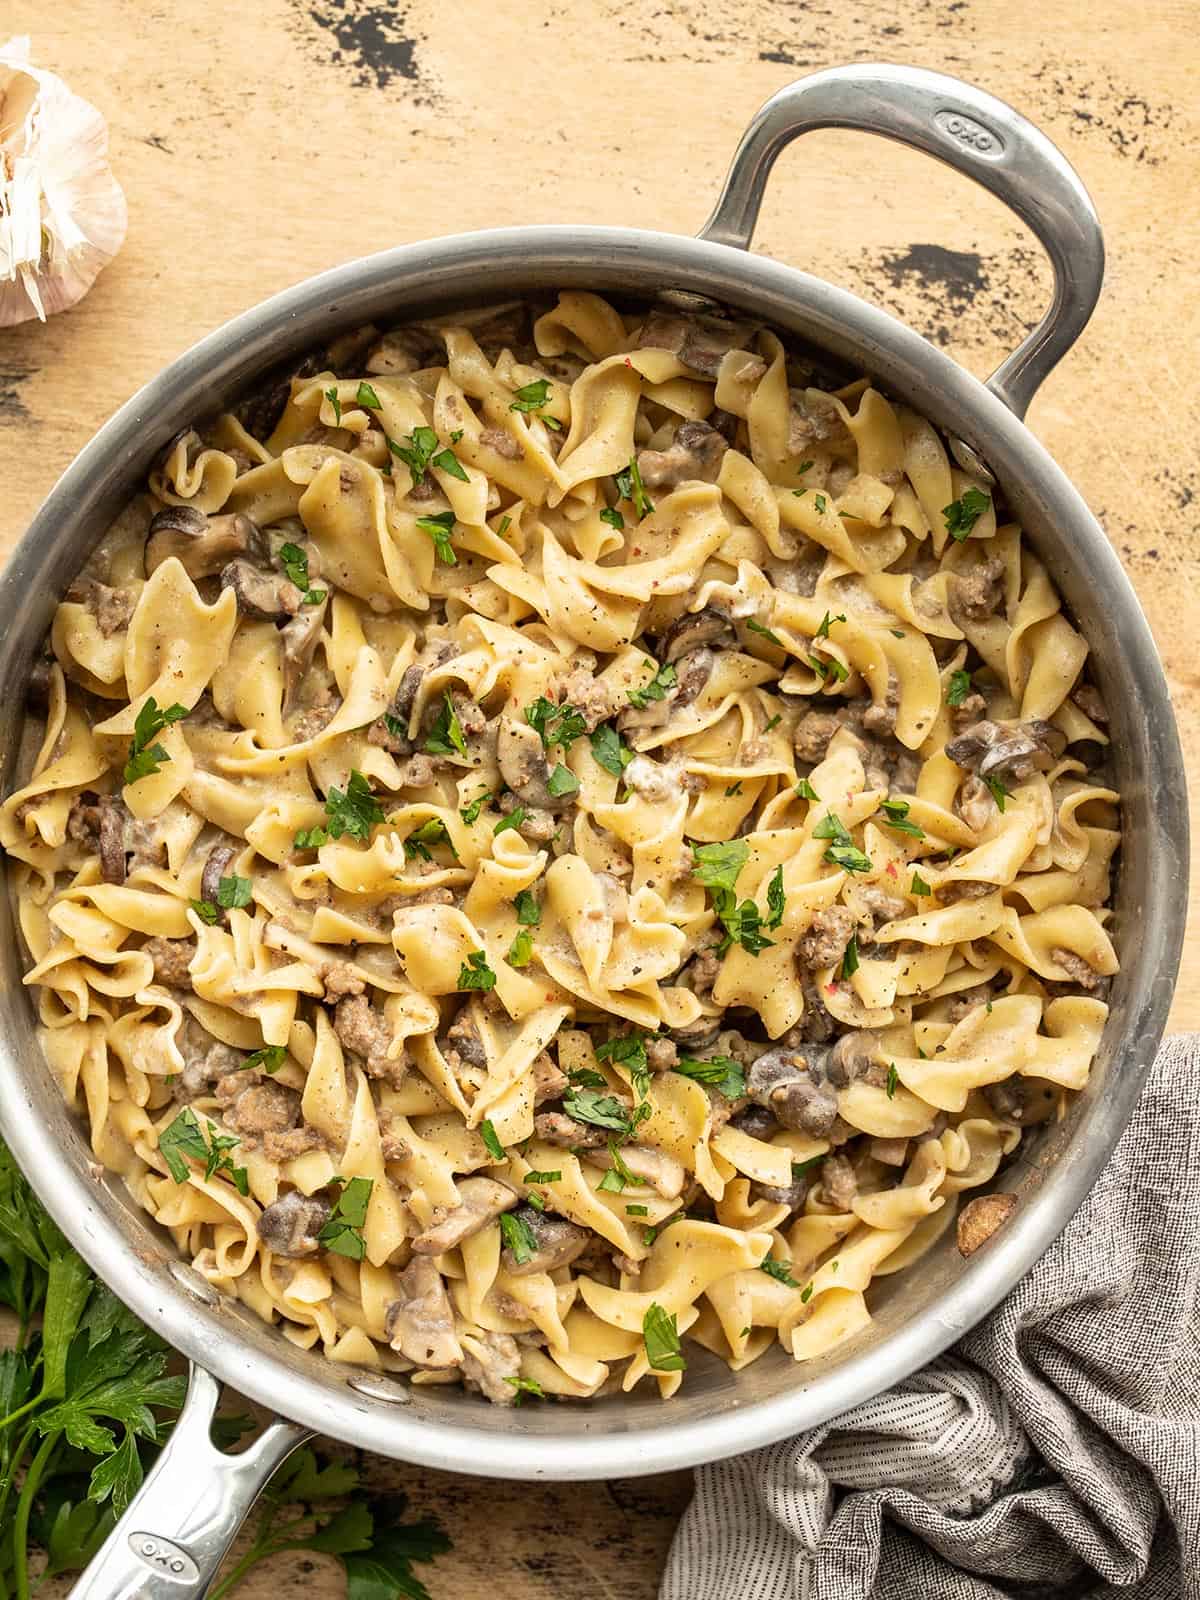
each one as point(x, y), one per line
point(171, 1538)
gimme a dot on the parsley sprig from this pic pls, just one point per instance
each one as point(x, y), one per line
point(631, 488)
point(343, 1233)
point(724, 1074)
point(531, 399)
point(294, 562)
point(146, 758)
point(353, 810)
point(962, 515)
point(664, 679)
point(842, 852)
point(555, 724)
point(185, 1137)
point(660, 1331)
point(717, 866)
point(439, 526)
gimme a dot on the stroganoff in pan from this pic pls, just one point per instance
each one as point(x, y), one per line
point(559, 833)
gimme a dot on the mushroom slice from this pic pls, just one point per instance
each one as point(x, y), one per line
point(299, 638)
point(1007, 751)
point(482, 1202)
point(980, 1218)
point(419, 1323)
point(215, 868)
point(523, 766)
point(780, 1081)
point(203, 544)
point(267, 596)
point(694, 629)
point(661, 1172)
point(290, 1226)
point(559, 1242)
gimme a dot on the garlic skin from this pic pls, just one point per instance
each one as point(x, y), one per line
point(62, 213)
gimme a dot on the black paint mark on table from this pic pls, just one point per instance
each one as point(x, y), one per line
point(374, 39)
point(961, 295)
point(12, 375)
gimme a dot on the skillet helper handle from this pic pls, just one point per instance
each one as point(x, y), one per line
point(178, 1527)
point(972, 132)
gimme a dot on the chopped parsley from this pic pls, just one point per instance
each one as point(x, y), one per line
point(367, 397)
point(778, 1270)
point(849, 964)
point(270, 1058)
point(475, 972)
point(562, 781)
point(331, 395)
point(799, 1168)
point(897, 633)
point(733, 789)
point(600, 1110)
point(774, 722)
point(185, 1137)
point(491, 1139)
point(417, 453)
point(756, 627)
point(233, 892)
point(514, 819)
point(529, 913)
point(520, 951)
point(960, 688)
point(556, 724)
point(716, 866)
point(470, 812)
point(806, 791)
point(842, 852)
point(531, 398)
point(962, 515)
point(824, 665)
point(519, 1237)
point(343, 1232)
point(918, 885)
point(665, 678)
point(439, 527)
point(630, 1051)
point(631, 488)
point(819, 502)
point(999, 793)
point(805, 466)
point(146, 758)
point(206, 911)
point(660, 1332)
point(610, 750)
point(893, 1078)
point(432, 831)
point(827, 622)
point(446, 737)
point(354, 811)
point(294, 562)
point(542, 1177)
point(807, 1294)
point(896, 813)
point(618, 1174)
point(310, 838)
point(503, 525)
point(613, 517)
point(637, 1211)
point(725, 1074)
point(523, 1386)
point(776, 899)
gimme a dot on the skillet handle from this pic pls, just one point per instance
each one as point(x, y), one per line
point(183, 1519)
point(972, 132)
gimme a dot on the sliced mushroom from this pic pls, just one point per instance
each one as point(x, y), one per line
point(559, 1242)
point(757, 1121)
point(699, 342)
point(299, 639)
point(523, 766)
point(290, 1226)
point(215, 868)
point(980, 1218)
point(853, 1057)
point(695, 453)
point(555, 1127)
point(661, 1172)
point(792, 1195)
point(489, 1360)
point(1007, 751)
point(266, 596)
point(482, 1201)
point(1022, 1101)
point(419, 1323)
point(98, 822)
point(694, 671)
point(694, 629)
point(203, 544)
point(781, 1082)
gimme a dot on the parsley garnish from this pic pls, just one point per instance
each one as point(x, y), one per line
point(824, 665)
point(849, 964)
point(819, 502)
point(562, 781)
point(665, 678)
point(962, 515)
point(734, 788)
point(613, 517)
point(618, 1174)
point(367, 397)
point(756, 627)
point(774, 722)
point(270, 1058)
point(556, 724)
point(185, 1137)
point(542, 1177)
point(475, 972)
point(446, 737)
point(724, 1073)
point(897, 633)
point(610, 750)
point(896, 812)
point(893, 1078)
point(446, 461)
point(519, 1237)
point(637, 1211)
point(601, 1110)
point(843, 852)
point(523, 1386)
point(806, 791)
point(630, 1051)
point(999, 793)
point(331, 395)
point(529, 913)
point(805, 466)
point(960, 688)
point(799, 1168)
point(146, 758)
point(206, 911)
point(532, 397)
point(470, 812)
point(631, 488)
point(827, 622)
point(310, 838)
point(660, 1333)
point(439, 527)
point(776, 900)
point(514, 819)
point(778, 1270)
point(432, 831)
point(294, 562)
point(503, 525)
point(491, 1140)
point(716, 866)
point(233, 892)
point(520, 951)
point(918, 885)
point(416, 454)
point(354, 812)
point(343, 1232)
point(807, 1295)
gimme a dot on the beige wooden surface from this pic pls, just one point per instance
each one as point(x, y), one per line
point(260, 143)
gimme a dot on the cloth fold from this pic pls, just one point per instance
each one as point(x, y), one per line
point(1055, 1451)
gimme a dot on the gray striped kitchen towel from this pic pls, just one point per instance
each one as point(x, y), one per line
point(1054, 1452)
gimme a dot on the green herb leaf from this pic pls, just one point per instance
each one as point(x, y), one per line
point(556, 724)
point(959, 689)
point(725, 1074)
point(446, 737)
point(962, 515)
point(514, 819)
point(610, 750)
point(806, 791)
point(613, 517)
point(146, 758)
point(637, 1211)
point(893, 1078)
point(331, 395)
point(470, 812)
point(529, 913)
point(526, 1386)
point(660, 1332)
point(999, 793)
point(354, 811)
point(343, 1232)
point(896, 812)
point(919, 886)
point(631, 488)
point(310, 838)
point(270, 1058)
point(206, 911)
point(417, 453)
point(233, 892)
point(367, 397)
point(819, 502)
point(446, 461)
point(562, 781)
point(827, 622)
point(439, 527)
point(532, 397)
point(805, 466)
point(542, 1177)
point(431, 832)
point(475, 972)
point(664, 679)
point(778, 1270)
point(491, 1139)
point(717, 866)
point(849, 857)
point(807, 1294)
point(776, 900)
point(774, 723)
point(520, 951)
point(754, 626)
point(503, 525)
point(849, 964)
point(600, 1110)
point(519, 1237)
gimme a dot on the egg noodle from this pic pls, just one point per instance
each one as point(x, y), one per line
point(561, 834)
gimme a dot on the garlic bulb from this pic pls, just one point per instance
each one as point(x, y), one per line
point(62, 213)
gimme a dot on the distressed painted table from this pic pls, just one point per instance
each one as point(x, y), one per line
point(259, 144)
